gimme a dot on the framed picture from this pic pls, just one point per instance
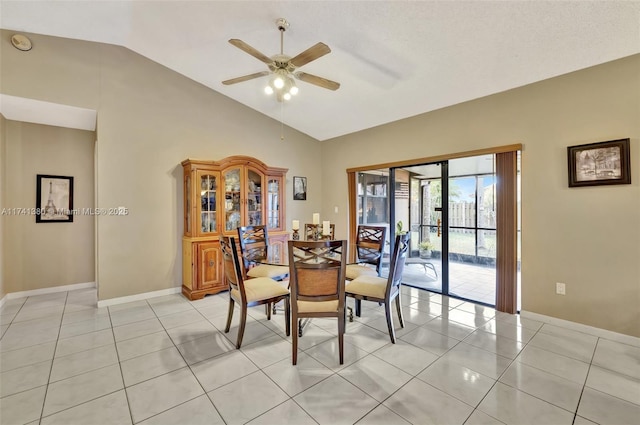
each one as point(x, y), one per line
point(599, 163)
point(300, 188)
point(54, 199)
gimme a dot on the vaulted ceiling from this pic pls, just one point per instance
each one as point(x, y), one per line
point(393, 59)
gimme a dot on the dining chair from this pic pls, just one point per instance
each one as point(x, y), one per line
point(384, 290)
point(249, 292)
point(317, 270)
point(309, 229)
point(370, 242)
point(254, 243)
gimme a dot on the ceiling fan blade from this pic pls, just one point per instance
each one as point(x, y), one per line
point(253, 52)
point(245, 78)
point(318, 81)
point(311, 54)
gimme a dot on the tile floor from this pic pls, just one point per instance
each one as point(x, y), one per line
point(165, 361)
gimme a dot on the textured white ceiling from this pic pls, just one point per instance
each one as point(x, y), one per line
point(394, 59)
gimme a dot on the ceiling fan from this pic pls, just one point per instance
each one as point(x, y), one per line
point(282, 68)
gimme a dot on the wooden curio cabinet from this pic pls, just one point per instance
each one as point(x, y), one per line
point(219, 196)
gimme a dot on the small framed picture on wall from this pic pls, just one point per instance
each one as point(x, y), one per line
point(602, 163)
point(54, 199)
point(300, 188)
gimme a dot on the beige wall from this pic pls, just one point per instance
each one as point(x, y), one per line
point(3, 126)
point(588, 238)
point(149, 120)
point(42, 255)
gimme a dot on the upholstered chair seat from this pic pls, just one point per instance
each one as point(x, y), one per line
point(368, 286)
point(354, 271)
point(318, 306)
point(267, 270)
point(260, 288)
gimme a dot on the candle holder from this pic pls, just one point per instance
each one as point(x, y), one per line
point(296, 235)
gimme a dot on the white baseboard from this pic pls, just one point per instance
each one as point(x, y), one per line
point(51, 290)
point(137, 297)
point(579, 327)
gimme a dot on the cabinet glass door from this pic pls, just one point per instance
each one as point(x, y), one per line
point(254, 198)
point(232, 209)
point(188, 204)
point(273, 203)
point(208, 209)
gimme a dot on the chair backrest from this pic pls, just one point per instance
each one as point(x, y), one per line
point(396, 267)
point(254, 241)
point(370, 245)
point(317, 270)
point(309, 229)
point(231, 265)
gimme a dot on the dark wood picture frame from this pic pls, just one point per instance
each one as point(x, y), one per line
point(54, 199)
point(299, 188)
point(602, 163)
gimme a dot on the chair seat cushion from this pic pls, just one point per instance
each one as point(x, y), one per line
point(260, 288)
point(354, 271)
point(317, 306)
point(370, 286)
point(266, 270)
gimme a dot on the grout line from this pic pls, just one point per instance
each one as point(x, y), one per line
point(53, 359)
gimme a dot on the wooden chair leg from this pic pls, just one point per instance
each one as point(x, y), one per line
point(399, 308)
point(358, 307)
point(243, 322)
point(294, 337)
point(387, 313)
point(287, 315)
point(229, 315)
point(341, 337)
point(269, 311)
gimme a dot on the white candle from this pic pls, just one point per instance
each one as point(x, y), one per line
point(326, 228)
point(316, 218)
point(295, 225)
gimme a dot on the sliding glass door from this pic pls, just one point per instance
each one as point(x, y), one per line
point(450, 210)
point(457, 231)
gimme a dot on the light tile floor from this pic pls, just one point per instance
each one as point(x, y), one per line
point(165, 360)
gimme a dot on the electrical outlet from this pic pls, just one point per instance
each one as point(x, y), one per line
point(560, 288)
point(335, 209)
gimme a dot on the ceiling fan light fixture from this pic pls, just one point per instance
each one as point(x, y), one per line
point(282, 67)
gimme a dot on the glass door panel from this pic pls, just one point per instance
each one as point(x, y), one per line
point(254, 198)
point(208, 207)
point(372, 203)
point(472, 229)
point(423, 204)
point(232, 209)
point(273, 203)
point(187, 205)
